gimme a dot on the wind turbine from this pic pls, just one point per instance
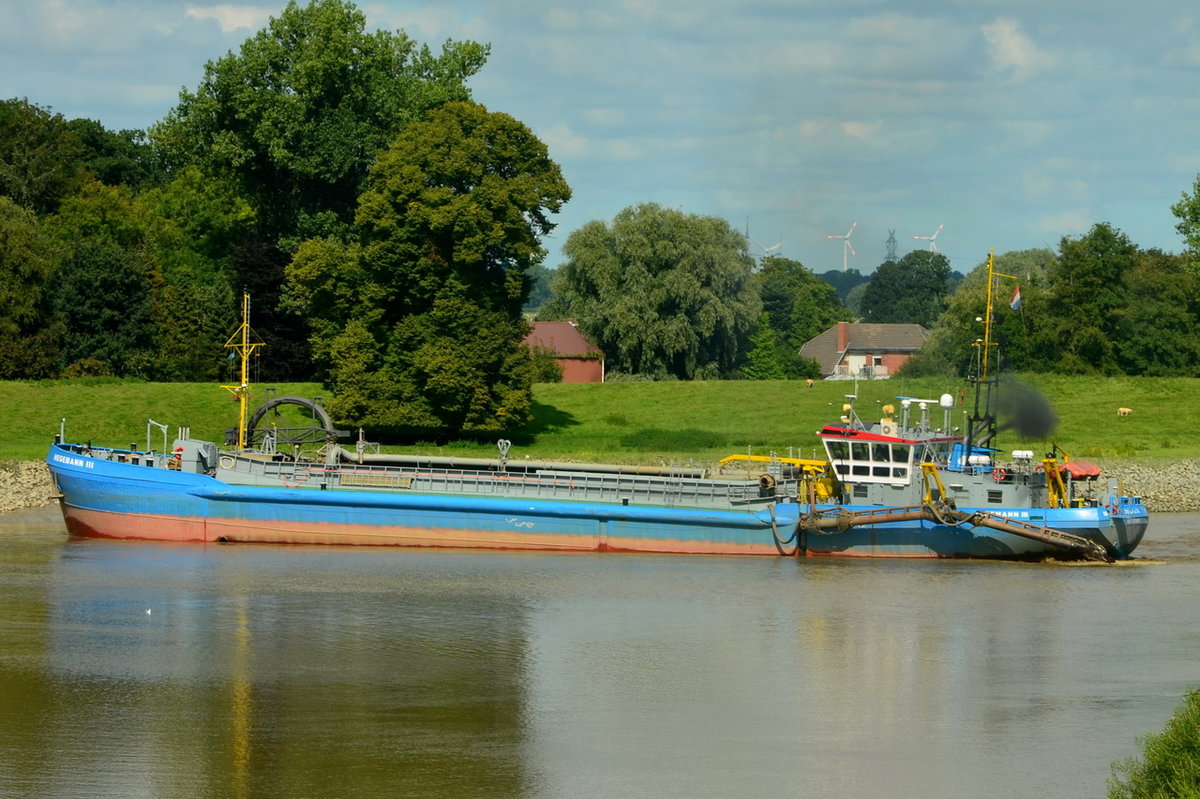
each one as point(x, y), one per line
point(931, 239)
point(847, 248)
point(767, 250)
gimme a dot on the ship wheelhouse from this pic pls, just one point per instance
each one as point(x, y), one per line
point(861, 457)
point(889, 452)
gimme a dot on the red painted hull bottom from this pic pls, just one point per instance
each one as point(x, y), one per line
point(147, 527)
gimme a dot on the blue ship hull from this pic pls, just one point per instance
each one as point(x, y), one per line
point(102, 498)
point(1118, 534)
point(138, 499)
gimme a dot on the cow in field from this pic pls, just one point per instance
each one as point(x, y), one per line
point(1124, 411)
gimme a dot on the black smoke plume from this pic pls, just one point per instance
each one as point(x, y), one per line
point(1021, 407)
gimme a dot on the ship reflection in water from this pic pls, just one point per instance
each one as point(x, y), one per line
point(180, 670)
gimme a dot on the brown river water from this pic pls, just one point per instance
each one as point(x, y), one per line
point(176, 670)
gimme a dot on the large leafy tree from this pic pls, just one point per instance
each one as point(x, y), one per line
point(300, 112)
point(1089, 288)
point(106, 279)
point(40, 158)
point(801, 306)
point(952, 345)
point(418, 321)
point(1187, 211)
point(116, 157)
point(664, 294)
point(168, 236)
point(191, 223)
point(296, 118)
point(912, 290)
point(105, 336)
point(29, 339)
point(1159, 320)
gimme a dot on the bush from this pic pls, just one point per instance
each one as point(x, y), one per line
point(1170, 761)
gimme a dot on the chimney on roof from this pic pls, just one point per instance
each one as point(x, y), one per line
point(843, 336)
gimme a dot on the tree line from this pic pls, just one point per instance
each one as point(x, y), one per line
point(1100, 305)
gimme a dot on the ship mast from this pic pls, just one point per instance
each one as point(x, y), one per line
point(240, 343)
point(981, 427)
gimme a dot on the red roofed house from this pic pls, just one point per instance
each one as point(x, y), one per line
point(581, 361)
point(866, 351)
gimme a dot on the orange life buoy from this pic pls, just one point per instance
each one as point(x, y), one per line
point(999, 475)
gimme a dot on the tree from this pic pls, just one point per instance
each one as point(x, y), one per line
point(112, 157)
point(419, 320)
point(29, 339)
point(1088, 284)
point(40, 158)
point(295, 119)
point(299, 114)
point(664, 294)
point(539, 291)
point(1160, 317)
point(1187, 211)
point(950, 348)
point(763, 362)
point(103, 297)
point(801, 306)
point(259, 267)
point(912, 290)
point(167, 234)
point(844, 282)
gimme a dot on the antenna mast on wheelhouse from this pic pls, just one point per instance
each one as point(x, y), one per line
point(241, 344)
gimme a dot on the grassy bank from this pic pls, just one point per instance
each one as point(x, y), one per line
point(634, 422)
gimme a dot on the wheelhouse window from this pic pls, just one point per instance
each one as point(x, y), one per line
point(871, 461)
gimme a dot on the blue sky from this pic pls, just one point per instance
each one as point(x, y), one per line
point(1011, 123)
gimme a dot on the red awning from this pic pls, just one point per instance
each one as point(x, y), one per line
point(1079, 469)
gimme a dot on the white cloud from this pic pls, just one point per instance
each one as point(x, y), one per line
point(1075, 222)
point(1059, 179)
point(606, 116)
point(231, 17)
point(807, 56)
point(1012, 51)
point(562, 141)
point(898, 29)
point(860, 130)
point(432, 23)
point(1186, 56)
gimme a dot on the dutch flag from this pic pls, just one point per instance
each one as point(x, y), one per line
point(1015, 302)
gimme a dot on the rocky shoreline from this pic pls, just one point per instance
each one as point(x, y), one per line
point(1165, 486)
point(24, 484)
point(1168, 486)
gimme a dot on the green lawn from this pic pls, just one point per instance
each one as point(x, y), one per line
point(634, 422)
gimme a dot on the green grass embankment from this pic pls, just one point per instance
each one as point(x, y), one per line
point(634, 422)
